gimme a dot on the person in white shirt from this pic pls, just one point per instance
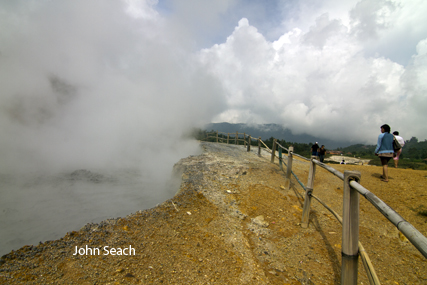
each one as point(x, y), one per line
point(402, 143)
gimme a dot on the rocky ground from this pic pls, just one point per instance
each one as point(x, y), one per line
point(233, 222)
point(347, 160)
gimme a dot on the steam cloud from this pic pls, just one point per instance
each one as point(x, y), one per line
point(96, 99)
point(93, 84)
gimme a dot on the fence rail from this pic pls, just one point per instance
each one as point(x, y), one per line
point(351, 247)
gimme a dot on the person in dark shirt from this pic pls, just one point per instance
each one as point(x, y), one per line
point(322, 152)
point(314, 149)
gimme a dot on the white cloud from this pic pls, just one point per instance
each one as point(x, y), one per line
point(368, 18)
point(414, 99)
point(390, 28)
point(319, 81)
point(142, 8)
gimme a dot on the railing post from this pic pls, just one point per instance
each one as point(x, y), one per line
point(280, 158)
point(244, 139)
point(259, 146)
point(216, 136)
point(228, 137)
point(273, 150)
point(307, 199)
point(289, 168)
point(237, 135)
point(249, 143)
point(350, 230)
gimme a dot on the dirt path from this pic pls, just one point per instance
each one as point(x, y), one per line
point(233, 223)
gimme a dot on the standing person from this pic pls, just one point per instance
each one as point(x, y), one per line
point(322, 152)
point(384, 149)
point(314, 149)
point(402, 143)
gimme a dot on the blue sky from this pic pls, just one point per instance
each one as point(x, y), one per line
point(77, 73)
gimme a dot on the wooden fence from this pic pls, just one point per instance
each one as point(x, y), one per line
point(215, 135)
point(351, 247)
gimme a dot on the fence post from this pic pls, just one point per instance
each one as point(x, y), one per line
point(307, 199)
point(216, 136)
point(273, 150)
point(244, 139)
point(259, 146)
point(350, 230)
point(237, 135)
point(289, 168)
point(280, 158)
point(228, 137)
point(249, 143)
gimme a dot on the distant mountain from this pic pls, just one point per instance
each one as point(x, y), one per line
point(265, 131)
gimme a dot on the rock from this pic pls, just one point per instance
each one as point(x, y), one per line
point(260, 221)
point(402, 237)
point(86, 175)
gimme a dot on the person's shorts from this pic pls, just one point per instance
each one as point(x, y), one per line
point(385, 157)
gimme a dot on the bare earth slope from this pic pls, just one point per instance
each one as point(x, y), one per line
point(234, 223)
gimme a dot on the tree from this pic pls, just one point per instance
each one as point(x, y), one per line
point(413, 153)
point(413, 140)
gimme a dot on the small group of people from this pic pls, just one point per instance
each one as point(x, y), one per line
point(385, 150)
point(318, 151)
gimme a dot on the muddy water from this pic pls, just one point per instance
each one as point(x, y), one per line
point(37, 207)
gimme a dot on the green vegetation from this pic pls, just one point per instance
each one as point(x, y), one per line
point(413, 150)
point(413, 155)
